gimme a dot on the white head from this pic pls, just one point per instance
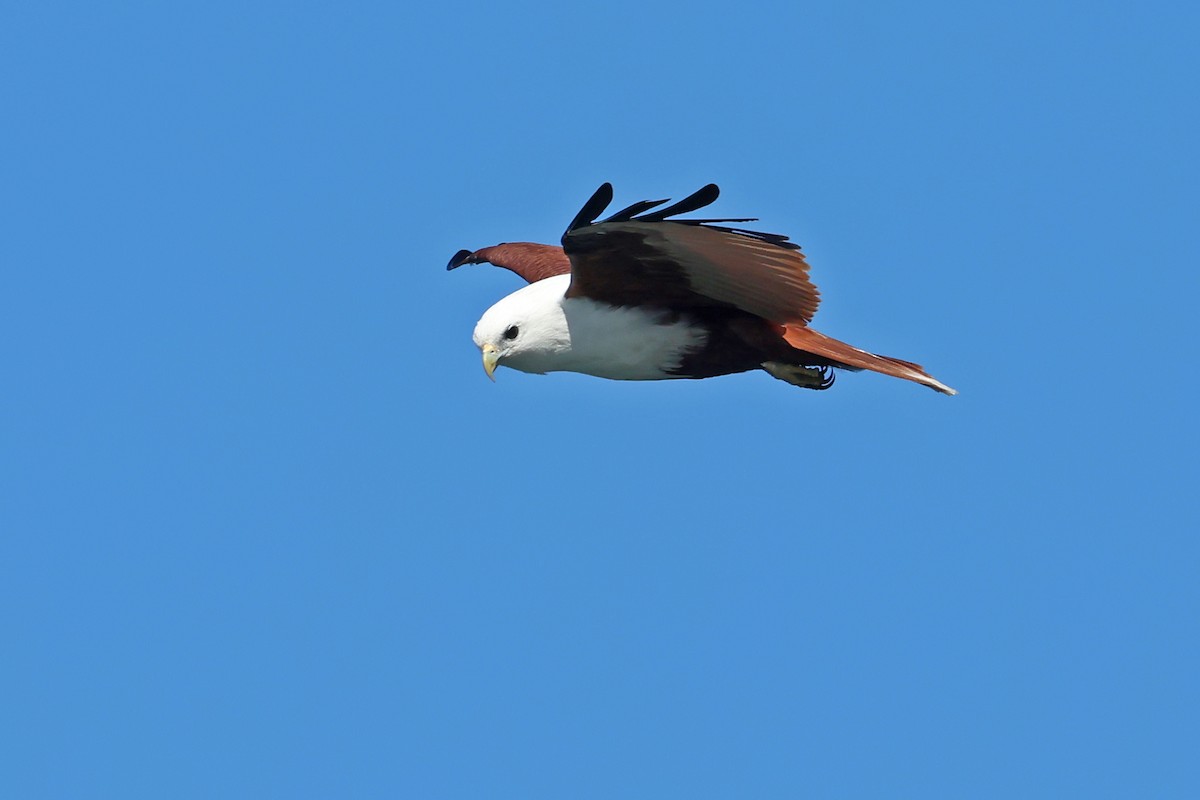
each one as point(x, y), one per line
point(537, 329)
point(526, 330)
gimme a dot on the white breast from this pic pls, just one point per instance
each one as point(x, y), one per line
point(629, 343)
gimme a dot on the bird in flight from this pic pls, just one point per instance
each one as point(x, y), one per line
point(644, 295)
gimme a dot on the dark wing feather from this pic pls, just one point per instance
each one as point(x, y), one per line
point(593, 208)
point(700, 198)
point(649, 259)
point(626, 214)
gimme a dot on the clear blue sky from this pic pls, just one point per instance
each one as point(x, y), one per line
point(267, 530)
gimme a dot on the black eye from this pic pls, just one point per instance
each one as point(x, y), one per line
point(512, 332)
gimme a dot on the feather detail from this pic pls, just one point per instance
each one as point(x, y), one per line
point(848, 356)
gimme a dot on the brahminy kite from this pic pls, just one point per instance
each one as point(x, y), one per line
point(643, 295)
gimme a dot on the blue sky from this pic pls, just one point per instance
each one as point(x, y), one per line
point(269, 531)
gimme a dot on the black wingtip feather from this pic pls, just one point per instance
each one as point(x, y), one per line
point(458, 259)
point(599, 201)
point(702, 197)
point(592, 208)
point(626, 214)
point(698, 199)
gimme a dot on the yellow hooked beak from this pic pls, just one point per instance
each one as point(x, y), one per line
point(491, 354)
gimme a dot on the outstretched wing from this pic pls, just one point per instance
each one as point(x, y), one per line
point(531, 261)
point(641, 257)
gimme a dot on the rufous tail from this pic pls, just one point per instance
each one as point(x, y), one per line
point(810, 341)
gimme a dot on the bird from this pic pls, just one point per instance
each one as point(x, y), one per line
point(645, 295)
